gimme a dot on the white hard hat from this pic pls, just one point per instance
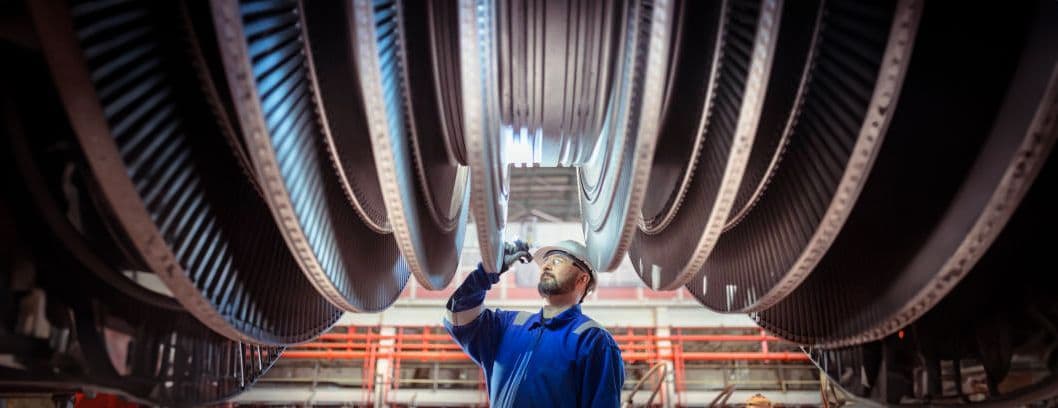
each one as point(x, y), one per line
point(572, 248)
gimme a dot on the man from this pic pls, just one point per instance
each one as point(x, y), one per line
point(556, 357)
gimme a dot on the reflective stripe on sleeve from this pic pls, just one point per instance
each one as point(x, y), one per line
point(465, 316)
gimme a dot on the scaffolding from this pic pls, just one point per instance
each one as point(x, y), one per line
point(394, 361)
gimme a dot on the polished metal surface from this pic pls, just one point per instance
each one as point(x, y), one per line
point(263, 57)
point(425, 195)
point(991, 154)
point(555, 64)
point(185, 206)
point(543, 100)
point(613, 182)
point(486, 153)
point(847, 104)
point(329, 35)
point(674, 240)
point(834, 168)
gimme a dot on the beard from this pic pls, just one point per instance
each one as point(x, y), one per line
point(550, 285)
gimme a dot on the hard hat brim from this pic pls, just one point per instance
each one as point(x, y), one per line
point(542, 252)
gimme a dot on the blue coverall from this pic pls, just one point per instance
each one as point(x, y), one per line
point(566, 361)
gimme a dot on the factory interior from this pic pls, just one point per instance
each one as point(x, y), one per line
point(531, 203)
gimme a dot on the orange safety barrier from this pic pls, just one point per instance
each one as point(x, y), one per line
point(618, 337)
point(432, 344)
point(455, 356)
point(81, 400)
point(427, 346)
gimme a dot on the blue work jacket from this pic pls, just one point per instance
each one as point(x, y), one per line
point(567, 361)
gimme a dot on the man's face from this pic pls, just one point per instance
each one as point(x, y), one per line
point(558, 275)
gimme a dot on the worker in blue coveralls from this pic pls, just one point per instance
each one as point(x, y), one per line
point(557, 357)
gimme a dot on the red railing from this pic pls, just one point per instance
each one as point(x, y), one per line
point(427, 346)
point(432, 344)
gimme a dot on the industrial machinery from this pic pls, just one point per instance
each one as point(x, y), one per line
point(190, 186)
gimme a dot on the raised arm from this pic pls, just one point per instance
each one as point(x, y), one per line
point(476, 329)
